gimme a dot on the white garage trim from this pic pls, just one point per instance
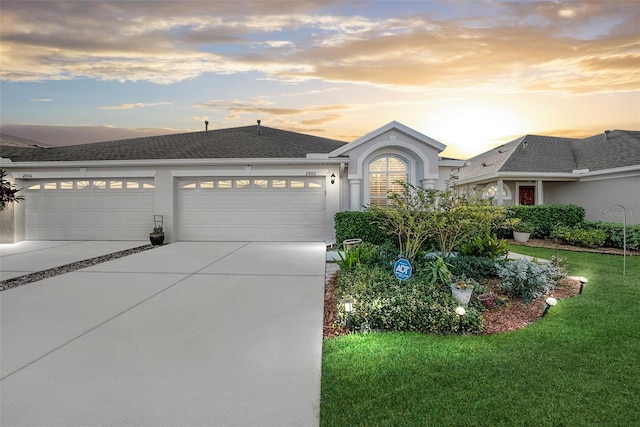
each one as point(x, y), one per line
point(89, 209)
point(252, 208)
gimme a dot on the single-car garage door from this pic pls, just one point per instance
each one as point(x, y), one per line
point(256, 209)
point(89, 209)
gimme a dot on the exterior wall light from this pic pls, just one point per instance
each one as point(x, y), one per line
point(333, 178)
point(551, 302)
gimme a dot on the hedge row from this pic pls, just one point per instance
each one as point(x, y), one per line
point(545, 218)
point(614, 234)
point(359, 225)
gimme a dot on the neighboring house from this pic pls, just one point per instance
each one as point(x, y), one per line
point(246, 183)
point(596, 173)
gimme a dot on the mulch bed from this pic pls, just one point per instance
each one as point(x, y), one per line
point(330, 330)
point(516, 314)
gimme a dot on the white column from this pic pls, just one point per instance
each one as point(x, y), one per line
point(428, 183)
point(500, 190)
point(539, 193)
point(354, 194)
point(166, 203)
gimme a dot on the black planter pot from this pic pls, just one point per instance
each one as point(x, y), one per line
point(156, 239)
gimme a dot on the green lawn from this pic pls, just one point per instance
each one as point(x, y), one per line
point(578, 366)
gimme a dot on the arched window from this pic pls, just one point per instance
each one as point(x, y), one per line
point(384, 172)
point(491, 191)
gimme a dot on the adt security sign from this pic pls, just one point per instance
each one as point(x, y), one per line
point(402, 269)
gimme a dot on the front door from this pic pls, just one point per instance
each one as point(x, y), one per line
point(527, 195)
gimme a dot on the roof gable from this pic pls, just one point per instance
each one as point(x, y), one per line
point(394, 125)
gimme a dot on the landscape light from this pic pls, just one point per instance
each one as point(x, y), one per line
point(460, 311)
point(551, 302)
point(348, 308)
point(583, 281)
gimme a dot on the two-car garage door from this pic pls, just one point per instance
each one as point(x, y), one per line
point(252, 209)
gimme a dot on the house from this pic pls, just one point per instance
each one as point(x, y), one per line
point(244, 183)
point(600, 173)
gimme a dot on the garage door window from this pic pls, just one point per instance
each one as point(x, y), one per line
point(91, 185)
point(261, 183)
point(253, 184)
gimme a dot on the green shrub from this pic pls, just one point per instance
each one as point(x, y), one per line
point(545, 218)
point(434, 270)
point(614, 234)
point(419, 217)
point(580, 236)
point(480, 268)
point(359, 225)
point(484, 245)
point(524, 227)
point(350, 258)
point(381, 302)
point(384, 255)
point(528, 280)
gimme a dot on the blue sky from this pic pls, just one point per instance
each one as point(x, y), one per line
point(468, 74)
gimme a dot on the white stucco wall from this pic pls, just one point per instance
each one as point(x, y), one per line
point(597, 197)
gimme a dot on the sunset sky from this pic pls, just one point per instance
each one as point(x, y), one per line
point(470, 74)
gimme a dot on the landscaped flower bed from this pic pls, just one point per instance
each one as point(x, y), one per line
point(380, 302)
point(457, 259)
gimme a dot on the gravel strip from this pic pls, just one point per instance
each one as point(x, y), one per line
point(40, 275)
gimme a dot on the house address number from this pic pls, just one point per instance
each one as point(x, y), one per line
point(27, 175)
point(311, 173)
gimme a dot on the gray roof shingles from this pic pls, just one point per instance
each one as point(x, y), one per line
point(620, 149)
point(241, 142)
point(541, 154)
point(545, 154)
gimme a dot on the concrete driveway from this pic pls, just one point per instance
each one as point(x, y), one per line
point(188, 334)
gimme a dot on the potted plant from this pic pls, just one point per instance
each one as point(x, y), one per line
point(522, 231)
point(462, 288)
point(157, 235)
point(488, 300)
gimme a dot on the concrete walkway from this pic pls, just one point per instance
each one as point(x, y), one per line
point(188, 334)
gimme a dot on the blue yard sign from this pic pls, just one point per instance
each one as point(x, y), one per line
point(402, 269)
